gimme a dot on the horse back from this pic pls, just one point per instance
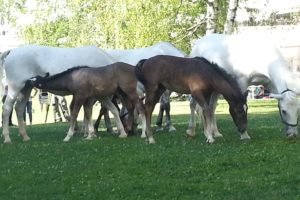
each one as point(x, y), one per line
point(240, 54)
point(34, 60)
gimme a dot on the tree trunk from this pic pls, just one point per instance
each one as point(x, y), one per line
point(211, 16)
point(231, 14)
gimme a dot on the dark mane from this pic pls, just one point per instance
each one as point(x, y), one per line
point(55, 76)
point(231, 79)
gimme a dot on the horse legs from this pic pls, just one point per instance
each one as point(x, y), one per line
point(213, 105)
point(6, 110)
point(152, 97)
point(207, 116)
point(20, 108)
point(75, 107)
point(108, 104)
point(160, 116)
point(141, 110)
point(167, 106)
point(101, 113)
point(192, 126)
point(196, 107)
point(88, 109)
point(130, 105)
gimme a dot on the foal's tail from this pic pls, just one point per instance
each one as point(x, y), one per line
point(141, 79)
point(139, 73)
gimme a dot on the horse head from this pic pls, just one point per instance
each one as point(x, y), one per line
point(289, 107)
point(38, 81)
point(238, 110)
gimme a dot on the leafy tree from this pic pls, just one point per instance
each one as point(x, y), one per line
point(122, 23)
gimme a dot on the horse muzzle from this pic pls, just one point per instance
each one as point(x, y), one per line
point(291, 132)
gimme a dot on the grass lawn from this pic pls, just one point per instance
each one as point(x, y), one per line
point(176, 167)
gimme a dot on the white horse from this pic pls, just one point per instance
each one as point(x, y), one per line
point(252, 59)
point(25, 62)
point(133, 56)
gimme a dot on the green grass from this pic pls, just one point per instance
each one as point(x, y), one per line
point(177, 167)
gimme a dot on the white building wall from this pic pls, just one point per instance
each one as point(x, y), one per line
point(285, 37)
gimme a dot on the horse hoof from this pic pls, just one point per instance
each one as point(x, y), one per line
point(26, 139)
point(245, 136)
point(143, 136)
point(66, 139)
point(151, 140)
point(189, 133)
point(172, 129)
point(210, 141)
point(159, 129)
point(7, 141)
point(218, 135)
point(89, 138)
point(123, 136)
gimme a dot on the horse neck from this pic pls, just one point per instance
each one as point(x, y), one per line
point(227, 90)
point(55, 84)
point(279, 73)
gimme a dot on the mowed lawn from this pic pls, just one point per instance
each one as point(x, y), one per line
point(176, 167)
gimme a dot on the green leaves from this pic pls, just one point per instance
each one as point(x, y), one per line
point(119, 23)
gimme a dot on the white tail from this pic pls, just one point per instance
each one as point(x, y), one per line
point(2, 58)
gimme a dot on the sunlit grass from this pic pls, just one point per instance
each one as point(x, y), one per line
point(177, 167)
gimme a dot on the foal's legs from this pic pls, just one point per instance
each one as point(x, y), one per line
point(101, 113)
point(75, 106)
point(192, 125)
point(195, 107)
point(88, 109)
point(213, 105)
point(152, 97)
point(207, 115)
point(129, 104)
point(141, 110)
point(109, 105)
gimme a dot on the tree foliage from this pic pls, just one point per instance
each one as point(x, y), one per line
point(8, 9)
point(121, 23)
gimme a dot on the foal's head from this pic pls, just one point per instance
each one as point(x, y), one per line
point(238, 110)
point(38, 81)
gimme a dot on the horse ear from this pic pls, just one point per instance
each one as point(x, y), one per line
point(276, 96)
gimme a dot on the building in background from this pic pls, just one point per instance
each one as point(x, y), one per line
point(279, 19)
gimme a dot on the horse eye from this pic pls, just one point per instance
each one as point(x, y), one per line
point(283, 112)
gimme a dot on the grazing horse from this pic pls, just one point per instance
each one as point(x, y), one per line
point(25, 62)
point(133, 56)
point(254, 60)
point(89, 84)
point(195, 76)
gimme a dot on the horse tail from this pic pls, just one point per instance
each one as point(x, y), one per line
point(3, 56)
point(2, 59)
point(138, 72)
point(140, 89)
